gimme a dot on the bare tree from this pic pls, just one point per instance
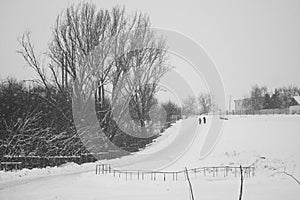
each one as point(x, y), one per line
point(23, 132)
point(104, 56)
point(206, 103)
point(171, 109)
point(258, 97)
point(144, 64)
point(190, 106)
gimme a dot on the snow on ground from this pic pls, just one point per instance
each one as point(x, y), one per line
point(167, 137)
point(166, 151)
point(88, 186)
point(271, 143)
point(267, 141)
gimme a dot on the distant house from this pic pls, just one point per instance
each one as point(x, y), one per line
point(295, 109)
point(242, 105)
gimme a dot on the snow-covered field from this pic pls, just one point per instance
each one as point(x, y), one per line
point(271, 143)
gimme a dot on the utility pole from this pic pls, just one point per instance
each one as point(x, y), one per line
point(229, 104)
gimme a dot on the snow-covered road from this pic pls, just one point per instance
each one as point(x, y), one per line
point(166, 151)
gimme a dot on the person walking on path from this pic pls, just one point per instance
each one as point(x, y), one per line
point(204, 120)
point(199, 120)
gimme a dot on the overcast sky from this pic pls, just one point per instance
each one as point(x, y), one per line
point(250, 42)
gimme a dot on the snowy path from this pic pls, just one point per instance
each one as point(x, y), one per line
point(157, 158)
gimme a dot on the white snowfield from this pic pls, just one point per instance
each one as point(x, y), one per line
point(270, 143)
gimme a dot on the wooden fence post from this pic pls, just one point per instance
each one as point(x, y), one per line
point(190, 184)
point(242, 180)
point(235, 171)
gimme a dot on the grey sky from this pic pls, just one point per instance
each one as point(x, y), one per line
point(249, 41)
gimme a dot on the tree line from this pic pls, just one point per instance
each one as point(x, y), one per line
point(31, 125)
point(201, 104)
point(281, 98)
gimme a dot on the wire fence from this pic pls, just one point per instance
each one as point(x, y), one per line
point(210, 172)
point(6, 166)
point(275, 111)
